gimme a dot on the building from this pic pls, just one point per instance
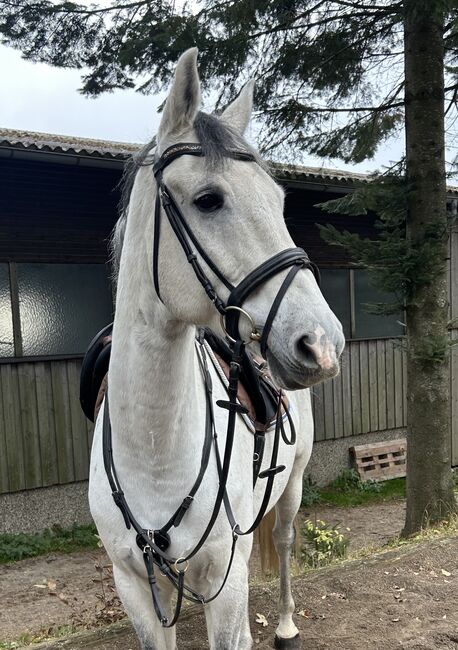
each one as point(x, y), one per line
point(58, 205)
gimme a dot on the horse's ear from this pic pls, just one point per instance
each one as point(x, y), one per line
point(183, 101)
point(237, 115)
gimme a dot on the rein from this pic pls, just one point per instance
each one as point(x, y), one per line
point(155, 543)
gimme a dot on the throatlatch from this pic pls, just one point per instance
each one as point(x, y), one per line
point(155, 543)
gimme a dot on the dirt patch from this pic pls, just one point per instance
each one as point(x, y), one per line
point(49, 592)
point(365, 526)
point(396, 599)
point(401, 598)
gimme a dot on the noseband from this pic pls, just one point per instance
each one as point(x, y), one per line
point(232, 308)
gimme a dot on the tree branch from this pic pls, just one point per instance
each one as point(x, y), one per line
point(64, 8)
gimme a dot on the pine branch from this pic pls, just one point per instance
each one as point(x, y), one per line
point(70, 8)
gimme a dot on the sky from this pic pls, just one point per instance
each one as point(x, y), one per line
point(38, 97)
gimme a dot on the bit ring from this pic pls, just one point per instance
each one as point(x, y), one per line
point(255, 335)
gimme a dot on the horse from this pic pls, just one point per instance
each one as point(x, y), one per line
point(204, 216)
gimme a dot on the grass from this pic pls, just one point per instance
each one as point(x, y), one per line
point(14, 547)
point(38, 637)
point(348, 491)
point(387, 491)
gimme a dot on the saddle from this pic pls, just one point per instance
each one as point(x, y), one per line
point(256, 390)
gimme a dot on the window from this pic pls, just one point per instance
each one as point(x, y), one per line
point(6, 316)
point(348, 291)
point(52, 309)
point(335, 286)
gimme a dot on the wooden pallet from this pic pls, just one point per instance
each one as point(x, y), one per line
point(381, 461)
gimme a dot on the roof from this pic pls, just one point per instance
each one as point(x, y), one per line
point(47, 142)
point(301, 173)
point(118, 152)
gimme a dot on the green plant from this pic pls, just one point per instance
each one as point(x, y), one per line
point(350, 481)
point(310, 492)
point(14, 547)
point(322, 544)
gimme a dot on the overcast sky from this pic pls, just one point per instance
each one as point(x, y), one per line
point(37, 97)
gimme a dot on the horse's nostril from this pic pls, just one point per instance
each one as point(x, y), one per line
point(307, 351)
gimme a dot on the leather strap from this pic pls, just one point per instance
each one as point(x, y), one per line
point(275, 305)
point(262, 273)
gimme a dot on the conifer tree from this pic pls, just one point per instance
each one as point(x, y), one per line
point(335, 78)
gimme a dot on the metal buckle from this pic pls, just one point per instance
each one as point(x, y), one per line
point(255, 334)
point(180, 560)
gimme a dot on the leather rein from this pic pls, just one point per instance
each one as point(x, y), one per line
point(155, 543)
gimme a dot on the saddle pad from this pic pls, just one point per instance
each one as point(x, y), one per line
point(256, 392)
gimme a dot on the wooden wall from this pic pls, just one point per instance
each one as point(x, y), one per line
point(52, 212)
point(302, 217)
point(44, 437)
point(368, 395)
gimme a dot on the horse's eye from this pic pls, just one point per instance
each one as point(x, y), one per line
point(209, 202)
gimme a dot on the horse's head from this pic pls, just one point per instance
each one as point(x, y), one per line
point(234, 209)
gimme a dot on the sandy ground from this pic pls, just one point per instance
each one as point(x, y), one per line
point(400, 598)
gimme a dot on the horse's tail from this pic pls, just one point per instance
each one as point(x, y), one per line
point(267, 552)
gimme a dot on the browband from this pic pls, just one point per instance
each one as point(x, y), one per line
point(194, 149)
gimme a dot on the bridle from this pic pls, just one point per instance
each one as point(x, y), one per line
point(154, 543)
point(231, 309)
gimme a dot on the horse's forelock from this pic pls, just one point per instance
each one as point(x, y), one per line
point(217, 140)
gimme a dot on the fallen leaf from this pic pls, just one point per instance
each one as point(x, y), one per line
point(261, 619)
point(303, 613)
point(63, 598)
point(338, 595)
point(52, 585)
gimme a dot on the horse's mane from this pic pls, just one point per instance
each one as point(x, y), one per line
point(217, 140)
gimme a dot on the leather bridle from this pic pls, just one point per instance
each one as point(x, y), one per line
point(232, 308)
point(155, 543)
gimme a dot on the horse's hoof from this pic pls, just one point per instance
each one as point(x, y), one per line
point(293, 643)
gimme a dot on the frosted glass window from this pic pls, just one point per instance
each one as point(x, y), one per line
point(372, 325)
point(335, 286)
point(62, 306)
point(6, 317)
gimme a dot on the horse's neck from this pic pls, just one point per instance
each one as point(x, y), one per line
point(153, 379)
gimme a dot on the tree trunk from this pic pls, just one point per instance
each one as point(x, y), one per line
point(430, 494)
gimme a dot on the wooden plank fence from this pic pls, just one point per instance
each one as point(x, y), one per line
point(368, 395)
point(44, 436)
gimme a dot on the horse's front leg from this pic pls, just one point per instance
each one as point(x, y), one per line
point(287, 634)
point(135, 595)
point(227, 616)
